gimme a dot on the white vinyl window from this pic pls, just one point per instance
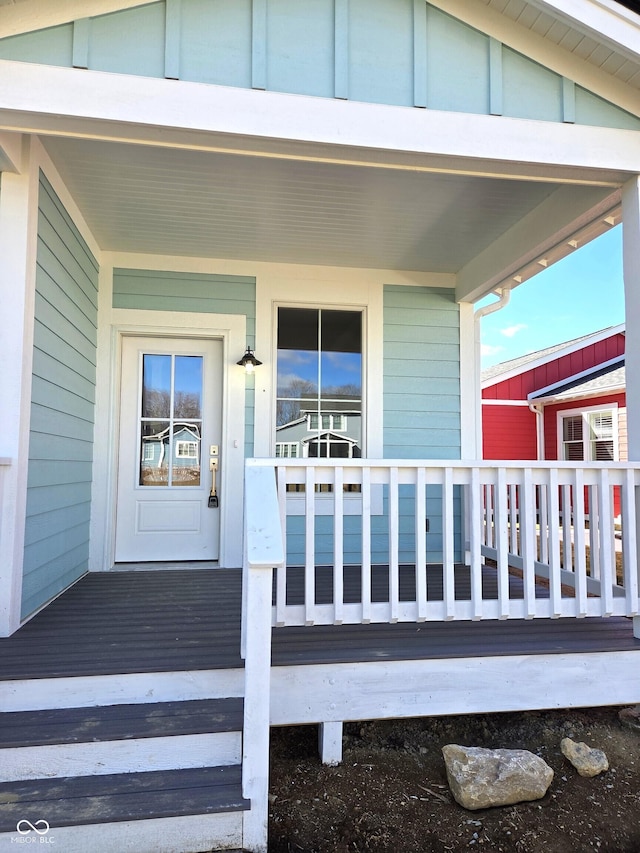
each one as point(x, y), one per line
point(589, 436)
point(287, 450)
point(187, 449)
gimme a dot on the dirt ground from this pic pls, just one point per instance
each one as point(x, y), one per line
point(390, 794)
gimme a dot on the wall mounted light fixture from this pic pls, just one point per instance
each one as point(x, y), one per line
point(249, 361)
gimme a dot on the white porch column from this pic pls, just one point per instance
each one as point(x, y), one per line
point(631, 270)
point(18, 238)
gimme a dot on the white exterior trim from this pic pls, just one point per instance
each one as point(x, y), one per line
point(559, 353)
point(390, 689)
point(536, 396)
point(470, 437)
point(584, 410)
point(506, 403)
point(90, 104)
point(18, 247)
point(631, 274)
point(113, 324)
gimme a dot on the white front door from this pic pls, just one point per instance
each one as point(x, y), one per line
point(170, 428)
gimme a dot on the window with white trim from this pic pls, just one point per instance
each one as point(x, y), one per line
point(187, 449)
point(287, 450)
point(589, 436)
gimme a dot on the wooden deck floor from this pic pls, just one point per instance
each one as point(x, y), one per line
point(176, 620)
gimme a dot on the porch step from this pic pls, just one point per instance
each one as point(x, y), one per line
point(114, 739)
point(148, 811)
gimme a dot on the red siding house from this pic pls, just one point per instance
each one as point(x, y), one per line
point(565, 402)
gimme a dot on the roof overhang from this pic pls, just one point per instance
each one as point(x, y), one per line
point(210, 171)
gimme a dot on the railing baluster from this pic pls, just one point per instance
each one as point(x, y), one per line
point(543, 510)
point(580, 556)
point(365, 581)
point(629, 543)
point(338, 545)
point(594, 533)
point(607, 565)
point(281, 571)
point(448, 571)
point(421, 543)
point(567, 560)
point(555, 580)
point(475, 542)
point(528, 542)
point(310, 546)
point(502, 542)
point(448, 555)
point(513, 518)
point(394, 581)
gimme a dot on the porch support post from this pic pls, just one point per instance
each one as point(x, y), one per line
point(18, 239)
point(631, 271)
point(330, 743)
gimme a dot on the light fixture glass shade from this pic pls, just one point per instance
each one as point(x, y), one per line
point(249, 361)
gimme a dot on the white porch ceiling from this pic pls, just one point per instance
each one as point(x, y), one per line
point(206, 204)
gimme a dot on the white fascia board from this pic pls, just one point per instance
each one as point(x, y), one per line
point(93, 104)
point(552, 223)
point(33, 15)
point(602, 335)
point(497, 25)
point(571, 398)
point(534, 396)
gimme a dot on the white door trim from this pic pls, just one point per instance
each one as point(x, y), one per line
point(231, 330)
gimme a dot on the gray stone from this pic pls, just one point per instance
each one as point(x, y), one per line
point(588, 762)
point(630, 717)
point(480, 778)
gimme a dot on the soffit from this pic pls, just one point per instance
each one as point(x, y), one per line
point(573, 39)
point(209, 204)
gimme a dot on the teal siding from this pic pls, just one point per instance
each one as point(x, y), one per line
point(401, 52)
point(421, 397)
point(53, 46)
point(421, 373)
point(457, 65)
point(215, 42)
point(62, 407)
point(134, 55)
point(149, 290)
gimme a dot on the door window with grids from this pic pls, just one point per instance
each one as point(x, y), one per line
point(590, 436)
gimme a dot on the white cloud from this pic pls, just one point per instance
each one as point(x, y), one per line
point(487, 350)
point(511, 331)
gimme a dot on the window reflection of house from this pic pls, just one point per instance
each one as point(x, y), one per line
point(156, 453)
point(336, 434)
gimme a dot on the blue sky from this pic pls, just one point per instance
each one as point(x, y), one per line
point(578, 295)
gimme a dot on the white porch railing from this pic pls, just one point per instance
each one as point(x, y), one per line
point(556, 528)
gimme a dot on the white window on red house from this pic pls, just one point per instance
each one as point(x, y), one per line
point(590, 436)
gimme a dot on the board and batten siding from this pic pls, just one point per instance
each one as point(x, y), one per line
point(202, 293)
point(399, 52)
point(62, 406)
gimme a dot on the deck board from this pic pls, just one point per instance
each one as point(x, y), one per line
point(178, 620)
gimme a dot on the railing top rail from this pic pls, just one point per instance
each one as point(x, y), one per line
point(548, 464)
point(5, 460)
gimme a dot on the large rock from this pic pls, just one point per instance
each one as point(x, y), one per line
point(588, 762)
point(480, 778)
